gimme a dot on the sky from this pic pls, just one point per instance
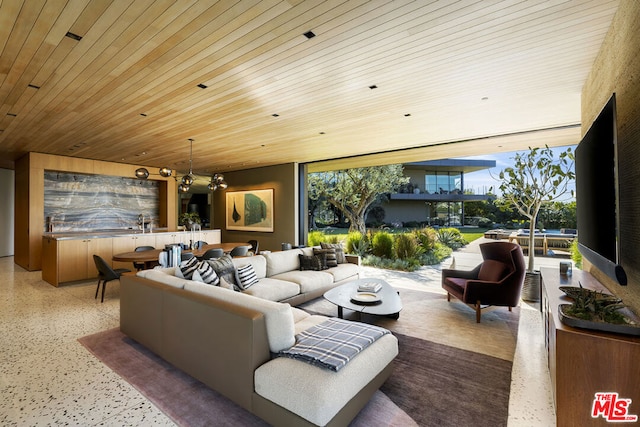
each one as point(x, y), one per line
point(481, 181)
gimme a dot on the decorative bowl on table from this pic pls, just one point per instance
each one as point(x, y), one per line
point(366, 298)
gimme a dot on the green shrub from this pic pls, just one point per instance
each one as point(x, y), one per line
point(315, 238)
point(576, 256)
point(451, 237)
point(391, 264)
point(357, 243)
point(426, 238)
point(406, 246)
point(382, 244)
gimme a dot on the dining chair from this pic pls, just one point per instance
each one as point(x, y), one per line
point(253, 247)
point(239, 251)
point(141, 265)
point(212, 254)
point(106, 274)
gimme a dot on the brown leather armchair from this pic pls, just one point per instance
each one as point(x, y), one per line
point(497, 281)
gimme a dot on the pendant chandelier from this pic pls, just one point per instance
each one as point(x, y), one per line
point(143, 173)
point(217, 180)
point(187, 180)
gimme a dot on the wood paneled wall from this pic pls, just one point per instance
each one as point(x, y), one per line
point(29, 199)
point(616, 70)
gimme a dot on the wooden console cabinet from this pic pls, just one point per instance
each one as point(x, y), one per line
point(584, 362)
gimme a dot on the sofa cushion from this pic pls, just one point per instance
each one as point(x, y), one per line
point(246, 276)
point(339, 251)
point(225, 269)
point(307, 280)
point(344, 271)
point(309, 321)
point(278, 316)
point(281, 261)
point(290, 383)
point(329, 256)
point(166, 277)
point(273, 289)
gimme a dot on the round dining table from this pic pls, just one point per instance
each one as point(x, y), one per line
point(150, 257)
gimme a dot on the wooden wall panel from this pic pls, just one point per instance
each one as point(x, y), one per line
point(616, 71)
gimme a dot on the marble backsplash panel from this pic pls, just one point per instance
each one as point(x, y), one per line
point(81, 202)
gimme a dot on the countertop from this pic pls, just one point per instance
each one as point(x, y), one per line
point(97, 234)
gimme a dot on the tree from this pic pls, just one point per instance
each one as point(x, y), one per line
point(536, 178)
point(352, 191)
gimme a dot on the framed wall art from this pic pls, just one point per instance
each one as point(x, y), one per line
point(250, 210)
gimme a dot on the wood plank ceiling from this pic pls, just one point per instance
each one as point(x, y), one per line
point(122, 81)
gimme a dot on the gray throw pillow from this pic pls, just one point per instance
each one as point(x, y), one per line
point(225, 269)
point(314, 262)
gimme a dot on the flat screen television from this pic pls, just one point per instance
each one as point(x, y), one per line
point(597, 195)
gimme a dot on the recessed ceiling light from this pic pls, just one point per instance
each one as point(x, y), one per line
point(73, 36)
point(202, 86)
point(373, 87)
point(309, 34)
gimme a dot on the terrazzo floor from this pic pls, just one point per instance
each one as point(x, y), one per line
point(48, 378)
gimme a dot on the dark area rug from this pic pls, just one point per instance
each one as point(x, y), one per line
point(432, 385)
point(438, 385)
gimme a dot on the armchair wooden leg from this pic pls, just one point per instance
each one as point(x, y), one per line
point(448, 297)
point(478, 311)
point(510, 308)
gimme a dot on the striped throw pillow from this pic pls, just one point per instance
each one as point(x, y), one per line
point(187, 267)
point(340, 258)
point(246, 276)
point(330, 256)
point(206, 274)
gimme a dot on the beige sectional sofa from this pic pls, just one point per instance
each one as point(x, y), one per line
point(228, 340)
point(280, 278)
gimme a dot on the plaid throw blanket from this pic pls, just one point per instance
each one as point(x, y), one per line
point(332, 343)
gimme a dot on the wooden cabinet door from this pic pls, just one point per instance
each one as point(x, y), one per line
point(101, 247)
point(211, 236)
point(72, 260)
point(167, 239)
point(50, 261)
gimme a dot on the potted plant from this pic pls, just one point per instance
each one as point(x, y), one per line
point(535, 178)
point(187, 219)
point(596, 310)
